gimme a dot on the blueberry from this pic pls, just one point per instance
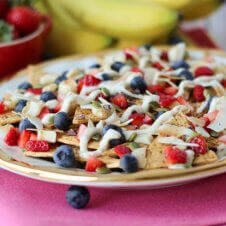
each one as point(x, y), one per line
point(26, 124)
point(95, 66)
point(20, 105)
point(114, 142)
point(25, 86)
point(138, 84)
point(173, 40)
point(116, 66)
point(46, 96)
point(105, 77)
point(129, 163)
point(64, 156)
point(186, 74)
point(180, 64)
point(78, 197)
point(62, 121)
point(146, 46)
point(159, 114)
point(61, 78)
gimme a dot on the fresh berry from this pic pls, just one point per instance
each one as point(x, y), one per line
point(25, 86)
point(2, 107)
point(93, 163)
point(24, 138)
point(87, 80)
point(57, 108)
point(25, 19)
point(155, 89)
point(62, 121)
point(120, 101)
point(95, 66)
point(64, 156)
point(129, 163)
point(203, 71)
point(35, 91)
point(3, 8)
point(46, 96)
point(122, 150)
point(37, 146)
point(25, 124)
point(146, 46)
point(166, 100)
point(137, 69)
point(43, 112)
point(12, 137)
point(20, 105)
point(114, 142)
point(138, 84)
point(186, 74)
point(33, 136)
point(181, 100)
point(158, 65)
point(61, 78)
point(140, 118)
point(180, 64)
point(202, 146)
point(105, 76)
point(212, 115)
point(170, 90)
point(129, 53)
point(164, 56)
point(116, 66)
point(223, 82)
point(174, 155)
point(159, 114)
point(78, 197)
point(198, 93)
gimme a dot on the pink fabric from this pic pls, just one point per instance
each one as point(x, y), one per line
point(27, 202)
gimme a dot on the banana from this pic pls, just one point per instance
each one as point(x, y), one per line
point(123, 43)
point(200, 8)
point(123, 19)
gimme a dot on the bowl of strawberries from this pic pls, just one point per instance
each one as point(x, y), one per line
point(22, 36)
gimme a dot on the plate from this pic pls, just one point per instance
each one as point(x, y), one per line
point(12, 159)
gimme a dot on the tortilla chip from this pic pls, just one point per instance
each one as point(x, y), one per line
point(206, 158)
point(9, 118)
point(179, 119)
point(212, 142)
point(48, 154)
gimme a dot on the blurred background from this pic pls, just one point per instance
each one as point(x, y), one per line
point(34, 30)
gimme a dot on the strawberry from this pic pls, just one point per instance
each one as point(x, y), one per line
point(25, 19)
point(202, 146)
point(211, 115)
point(203, 71)
point(137, 69)
point(120, 100)
point(129, 52)
point(170, 90)
point(164, 56)
point(87, 80)
point(93, 163)
point(223, 82)
point(139, 119)
point(121, 150)
point(198, 93)
point(174, 155)
point(43, 112)
point(101, 95)
point(33, 136)
point(2, 107)
point(181, 100)
point(158, 65)
point(166, 100)
point(57, 108)
point(82, 128)
point(35, 91)
point(37, 146)
point(155, 89)
point(3, 8)
point(24, 138)
point(12, 137)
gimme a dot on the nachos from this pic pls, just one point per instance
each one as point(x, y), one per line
point(137, 109)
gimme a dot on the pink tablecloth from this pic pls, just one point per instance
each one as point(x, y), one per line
point(26, 202)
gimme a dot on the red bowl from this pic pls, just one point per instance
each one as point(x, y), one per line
point(27, 50)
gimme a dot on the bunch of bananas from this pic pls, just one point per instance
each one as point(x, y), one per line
point(81, 26)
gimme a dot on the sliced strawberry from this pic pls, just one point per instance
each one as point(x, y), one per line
point(174, 155)
point(203, 71)
point(137, 69)
point(101, 95)
point(202, 146)
point(12, 137)
point(120, 100)
point(35, 91)
point(198, 93)
point(80, 85)
point(158, 65)
point(33, 136)
point(121, 150)
point(37, 146)
point(87, 80)
point(155, 89)
point(24, 138)
point(223, 82)
point(140, 118)
point(82, 128)
point(93, 163)
point(166, 100)
point(211, 115)
point(147, 120)
point(2, 107)
point(57, 108)
point(164, 56)
point(181, 100)
point(43, 112)
point(170, 90)
point(129, 52)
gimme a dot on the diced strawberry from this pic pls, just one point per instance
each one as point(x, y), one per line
point(211, 115)
point(170, 90)
point(181, 100)
point(2, 107)
point(140, 118)
point(222, 139)
point(93, 163)
point(121, 150)
point(147, 120)
point(87, 80)
point(12, 137)
point(137, 69)
point(82, 128)
point(80, 85)
point(223, 82)
point(174, 155)
point(43, 112)
point(37, 146)
point(203, 71)
point(198, 93)
point(164, 56)
point(206, 121)
point(158, 65)
point(24, 138)
point(202, 146)
point(33, 136)
point(57, 108)
point(36, 91)
point(101, 95)
point(120, 100)
point(129, 52)
point(166, 100)
point(155, 89)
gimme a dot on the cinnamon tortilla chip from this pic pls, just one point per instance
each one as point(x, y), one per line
point(9, 118)
point(179, 119)
point(206, 158)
